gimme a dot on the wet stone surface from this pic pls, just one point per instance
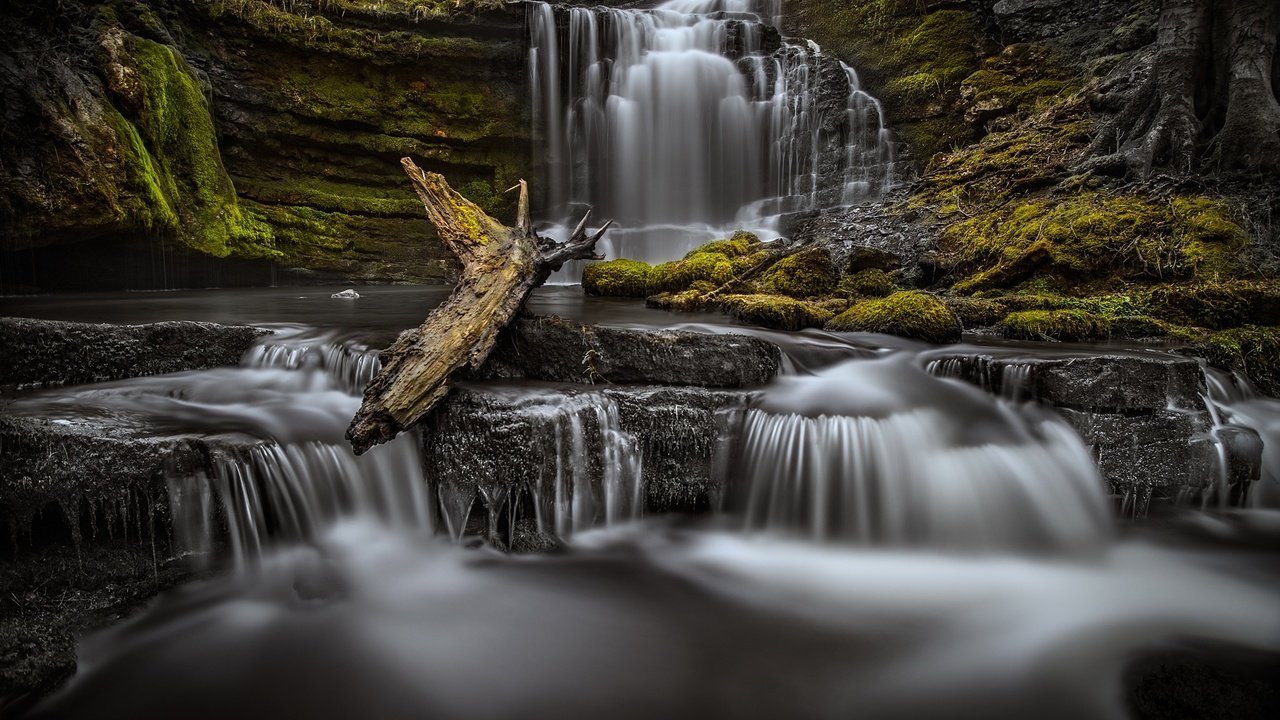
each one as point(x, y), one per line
point(48, 352)
point(550, 348)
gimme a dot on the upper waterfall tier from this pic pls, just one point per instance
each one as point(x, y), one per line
point(696, 112)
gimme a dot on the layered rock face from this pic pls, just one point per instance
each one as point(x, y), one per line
point(152, 138)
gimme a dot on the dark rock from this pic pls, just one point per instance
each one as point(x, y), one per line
point(1149, 459)
point(48, 352)
point(486, 442)
point(549, 348)
point(872, 236)
point(1106, 383)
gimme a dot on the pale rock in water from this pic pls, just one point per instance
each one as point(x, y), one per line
point(348, 294)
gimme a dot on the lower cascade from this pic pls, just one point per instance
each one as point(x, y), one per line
point(896, 540)
point(695, 113)
point(904, 474)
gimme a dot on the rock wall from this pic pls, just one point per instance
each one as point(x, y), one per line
point(152, 138)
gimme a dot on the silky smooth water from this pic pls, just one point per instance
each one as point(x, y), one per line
point(891, 544)
point(692, 118)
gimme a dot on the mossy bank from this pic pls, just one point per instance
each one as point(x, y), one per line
point(247, 141)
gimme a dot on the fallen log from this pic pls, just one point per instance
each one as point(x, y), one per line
point(500, 266)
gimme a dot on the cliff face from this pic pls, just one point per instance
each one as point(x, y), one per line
point(158, 137)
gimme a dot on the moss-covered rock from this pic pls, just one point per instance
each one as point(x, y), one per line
point(1215, 305)
point(912, 314)
point(1058, 325)
point(1253, 349)
point(1094, 236)
point(867, 283)
point(617, 278)
point(775, 311)
point(716, 262)
point(805, 274)
point(977, 312)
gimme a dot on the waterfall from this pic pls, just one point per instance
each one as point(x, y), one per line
point(583, 468)
point(869, 452)
point(693, 117)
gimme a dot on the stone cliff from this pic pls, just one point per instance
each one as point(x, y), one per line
point(265, 134)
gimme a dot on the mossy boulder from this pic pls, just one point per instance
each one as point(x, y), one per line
point(1055, 325)
point(617, 278)
point(867, 283)
point(716, 262)
point(805, 274)
point(776, 311)
point(977, 312)
point(911, 313)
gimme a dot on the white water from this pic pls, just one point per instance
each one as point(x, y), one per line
point(929, 551)
point(684, 121)
point(870, 451)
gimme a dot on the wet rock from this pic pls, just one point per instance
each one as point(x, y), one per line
point(1108, 383)
point(48, 352)
point(549, 348)
point(1151, 459)
point(492, 442)
point(1142, 415)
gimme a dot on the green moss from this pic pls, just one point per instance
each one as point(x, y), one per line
point(741, 244)
point(774, 311)
point(940, 50)
point(1056, 325)
point(976, 312)
point(911, 314)
point(1088, 236)
point(1215, 305)
point(312, 26)
point(1252, 349)
point(716, 262)
point(1020, 78)
point(685, 301)
point(867, 283)
point(808, 273)
point(617, 278)
point(1210, 239)
point(170, 152)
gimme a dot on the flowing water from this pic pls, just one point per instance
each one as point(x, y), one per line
point(890, 544)
point(692, 118)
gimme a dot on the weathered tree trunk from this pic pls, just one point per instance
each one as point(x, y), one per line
point(1250, 135)
point(1225, 49)
point(500, 267)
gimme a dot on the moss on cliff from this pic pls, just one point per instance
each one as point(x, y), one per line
point(1253, 349)
point(168, 149)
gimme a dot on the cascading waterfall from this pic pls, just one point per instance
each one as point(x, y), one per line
point(869, 452)
point(695, 114)
point(1235, 403)
point(585, 469)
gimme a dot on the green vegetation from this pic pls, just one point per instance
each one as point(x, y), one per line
point(1094, 237)
point(617, 278)
point(912, 314)
point(806, 274)
point(1253, 349)
point(776, 311)
point(168, 150)
point(1057, 325)
point(871, 283)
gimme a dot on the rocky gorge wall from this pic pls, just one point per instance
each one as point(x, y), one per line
point(194, 143)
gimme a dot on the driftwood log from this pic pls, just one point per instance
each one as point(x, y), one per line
point(500, 266)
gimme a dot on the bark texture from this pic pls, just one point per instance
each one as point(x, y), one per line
point(500, 267)
point(1205, 98)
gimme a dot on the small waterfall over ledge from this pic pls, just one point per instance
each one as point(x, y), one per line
point(686, 119)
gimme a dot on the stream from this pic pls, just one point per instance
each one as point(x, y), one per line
point(892, 544)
